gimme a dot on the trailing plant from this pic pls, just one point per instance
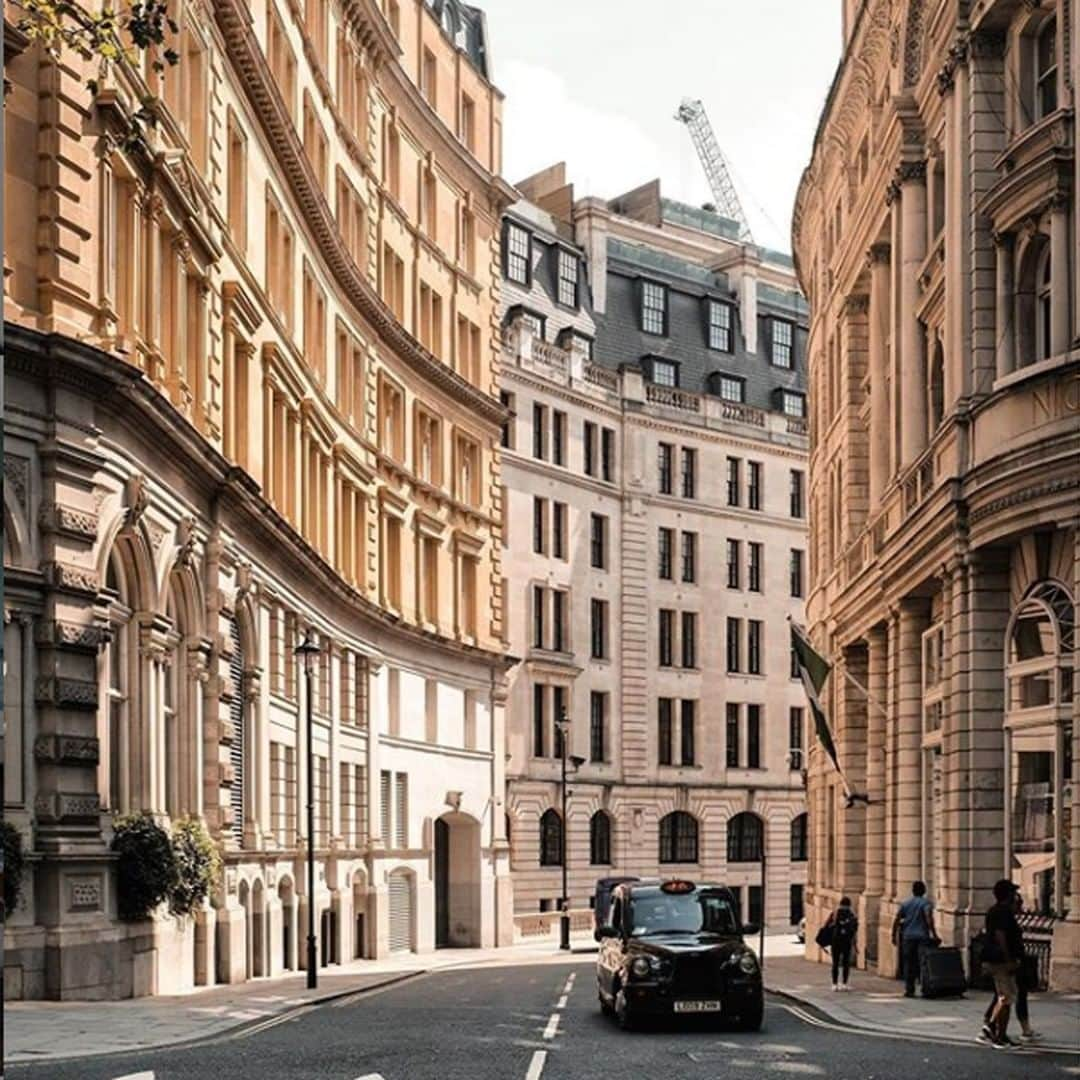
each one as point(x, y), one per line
point(113, 34)
point(146, 867)
point(11, 839)
point(198, 865)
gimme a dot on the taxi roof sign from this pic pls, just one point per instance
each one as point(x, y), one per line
point(677, 886)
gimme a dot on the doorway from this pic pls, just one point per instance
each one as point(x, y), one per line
point(457, 881)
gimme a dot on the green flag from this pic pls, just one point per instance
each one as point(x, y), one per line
point(814, 669)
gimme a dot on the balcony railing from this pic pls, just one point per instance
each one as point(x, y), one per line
point(672, 398)
point(599, 376)
point(797, 425)
point(550, 354)
point(744, 414)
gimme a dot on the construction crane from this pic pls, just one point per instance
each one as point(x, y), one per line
point(693, 115)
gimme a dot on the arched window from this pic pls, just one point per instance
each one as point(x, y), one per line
point(1040, 647)
point(1046, 70)
point(551, 839)
point(744, 838)
point(116, 659)
point(798, 839)
point(678, 838)
point(599, 839)
point(1032, 302)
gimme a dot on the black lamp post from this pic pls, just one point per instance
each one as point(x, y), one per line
point(563, 722)
point(307, 651)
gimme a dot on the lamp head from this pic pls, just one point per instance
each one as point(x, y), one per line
point(307, 650)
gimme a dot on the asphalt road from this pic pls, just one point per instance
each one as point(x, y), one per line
point(539, 1023)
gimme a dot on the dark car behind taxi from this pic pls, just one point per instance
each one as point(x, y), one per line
point(676, 948)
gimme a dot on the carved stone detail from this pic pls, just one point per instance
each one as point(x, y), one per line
point(66, 693)
point(84, 893)
point(857, 304)
point(68, 749)
point(17, 477)
point(136, 498)
point(907, 171)
point(185, 541)
point(72, 635)
point(53, 517)
point(879, 253)
point(61, 806)
point(71, 578)
point(986, 45)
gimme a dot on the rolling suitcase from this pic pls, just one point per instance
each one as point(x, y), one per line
point(941, 972)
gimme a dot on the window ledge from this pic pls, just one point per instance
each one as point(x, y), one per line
point(1034, 371)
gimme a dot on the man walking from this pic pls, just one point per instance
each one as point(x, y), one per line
point(1002, 954)
point(912, 929)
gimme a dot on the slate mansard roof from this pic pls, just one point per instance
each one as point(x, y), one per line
point(466, 27)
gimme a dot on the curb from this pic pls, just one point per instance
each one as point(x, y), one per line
point(820, 1014)
point(236, 1031)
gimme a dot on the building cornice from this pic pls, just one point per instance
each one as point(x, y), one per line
point(243, 49)
point(117, 386)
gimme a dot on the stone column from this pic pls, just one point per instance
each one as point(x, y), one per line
point(909, 794)
point(896, 315)
point(1004, 305)
point(887, 956)
point(334, 748)
point(1061, 260)
point(879, 372)
point(913, 420)
point(874, 834)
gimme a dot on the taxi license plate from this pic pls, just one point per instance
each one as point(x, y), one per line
point(697, 1006)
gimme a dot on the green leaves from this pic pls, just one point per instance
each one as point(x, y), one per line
point(198, 866)
point(11, 842)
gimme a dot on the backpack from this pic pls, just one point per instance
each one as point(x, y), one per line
point(845, 924)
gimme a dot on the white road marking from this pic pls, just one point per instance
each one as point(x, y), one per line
point(562, 1001)
point(371, 1076)
point(536, 1066)
point(552, 1026)
point(137, 1076)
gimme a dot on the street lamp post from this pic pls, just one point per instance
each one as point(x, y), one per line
point(307, 650)
point(563, 722)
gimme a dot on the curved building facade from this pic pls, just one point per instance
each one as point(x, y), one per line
point(654, 368)
point(250, 393)
point(936, 235)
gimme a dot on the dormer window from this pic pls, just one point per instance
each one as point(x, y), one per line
point(728, 387)
point(653, 308)
point(518, 254)
point(781, 353)
point(1046, 70)
point(664, 372)
point(719, 326)
point(568, 279)
point(793, 404)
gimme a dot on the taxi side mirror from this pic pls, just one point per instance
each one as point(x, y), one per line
point(749, 929)
point(606, 932)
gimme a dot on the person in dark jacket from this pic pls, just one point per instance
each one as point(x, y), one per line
point(1002, 953)
point(1027, 1032)
point(845, 925)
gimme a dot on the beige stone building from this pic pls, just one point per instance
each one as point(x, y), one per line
point(936, 236)
point(250, 390)
point(654, 546)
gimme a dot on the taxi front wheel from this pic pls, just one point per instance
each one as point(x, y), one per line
point(622, 1011)
point(750, 1019)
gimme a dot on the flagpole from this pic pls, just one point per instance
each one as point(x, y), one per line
point(870, 699)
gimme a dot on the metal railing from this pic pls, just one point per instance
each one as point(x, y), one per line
point(672, 398)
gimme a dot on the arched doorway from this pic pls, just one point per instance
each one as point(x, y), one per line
point(457, 881)
point(258, 930)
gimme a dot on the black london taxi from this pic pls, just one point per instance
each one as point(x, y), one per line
point(675, 948)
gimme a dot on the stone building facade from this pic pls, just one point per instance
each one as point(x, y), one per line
point(654, 494)
point(251, 391)
point(936, 236)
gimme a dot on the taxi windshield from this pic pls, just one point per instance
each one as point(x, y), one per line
point(690, 913)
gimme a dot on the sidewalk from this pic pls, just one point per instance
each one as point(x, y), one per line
point(877, 1004)
point(48, 1030)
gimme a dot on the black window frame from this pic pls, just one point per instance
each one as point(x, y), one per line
point(688, 472)
point(734, 481)
point(719, 378)
point(800, 838)
point(598, 746)
point(551, 838)
point(539, 617)
point(563, 259)
point(598, 541)
point(539, 721)
point(755, 485)
point(665, 556)
point(687, 732)
point(657, 363)
point(665, 468)
point(600, 839)
point(688, 550)
point(797, 494)
point(793, 395)
point(598, 628)
point(589, 447)
point(734, 564)
point(506, 436)
point(559, 432)
point(665, 719)
point(733, 645)
point(753, 736)
point(798, 564)
point(560, 608)
point(755, 641)
point(646, 308)
point(678, 838)
point(540, 434)
point(711, 325)
point(513, 228)
point(539, 526)
point(788, 363)
point(745, 838)
point(755, 566)
point(607, 455)
point(560, 515)
point(796, 727)
point(731, 735)
point(688, 647)
point(665, 633)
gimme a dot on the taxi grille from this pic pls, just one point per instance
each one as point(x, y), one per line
point(697, 975)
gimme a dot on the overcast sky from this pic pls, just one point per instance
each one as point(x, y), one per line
point(596, 83)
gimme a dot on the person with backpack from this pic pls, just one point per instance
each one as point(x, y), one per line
point(1002, 955)
point(844, 924)
point(1024, 981)
point(913, 929)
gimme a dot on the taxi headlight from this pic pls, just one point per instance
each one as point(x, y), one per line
point(641, 966)
point(748, 963)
